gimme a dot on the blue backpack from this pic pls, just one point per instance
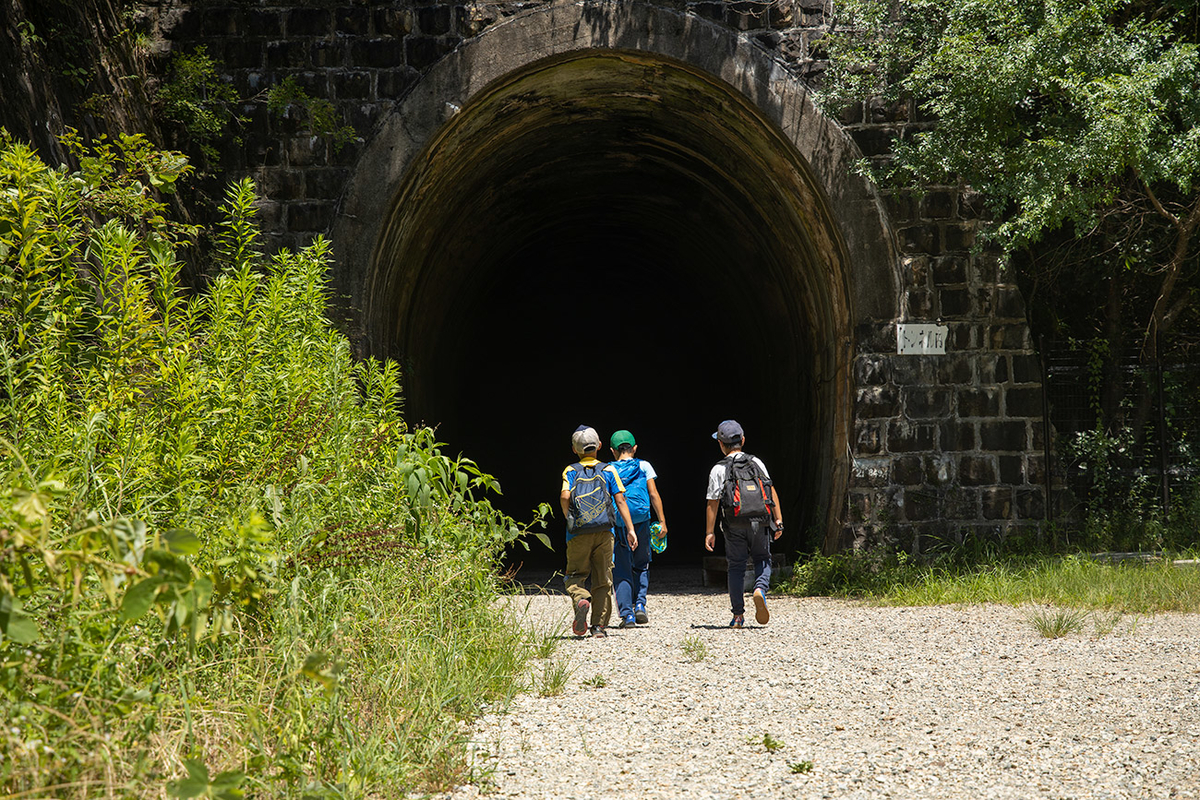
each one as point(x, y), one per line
point(637, 493)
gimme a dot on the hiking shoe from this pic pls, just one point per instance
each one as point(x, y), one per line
point(639, 614)
point(737, 621)
point(761, 615)
point(628, 622)
point(599, 631)
point(579, 627)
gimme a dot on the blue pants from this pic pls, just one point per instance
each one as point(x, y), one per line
point(631, 569)
point(743, 543)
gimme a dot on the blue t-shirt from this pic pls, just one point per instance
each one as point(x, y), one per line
point(611, 478)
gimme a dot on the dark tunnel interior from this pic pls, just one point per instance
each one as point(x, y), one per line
point(599, 244)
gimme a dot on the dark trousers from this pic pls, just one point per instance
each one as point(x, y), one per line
point(745, 541)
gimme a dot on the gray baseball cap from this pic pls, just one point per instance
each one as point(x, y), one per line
point(729, 432)
point(584, 439)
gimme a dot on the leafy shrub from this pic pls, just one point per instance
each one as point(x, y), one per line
point(315, 114)
point(222, 551)
point(195, 98)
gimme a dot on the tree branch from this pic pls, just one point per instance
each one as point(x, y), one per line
point(1159, 318)
point(1174, 220)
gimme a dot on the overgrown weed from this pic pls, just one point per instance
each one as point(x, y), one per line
point(226, 563)
point(1055, 623)
point(694, 649)
point(554, 677)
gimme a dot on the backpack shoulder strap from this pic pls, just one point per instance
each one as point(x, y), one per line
point(727, 463)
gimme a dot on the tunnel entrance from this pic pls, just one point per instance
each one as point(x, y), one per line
point(620, 238)
point(613, 239)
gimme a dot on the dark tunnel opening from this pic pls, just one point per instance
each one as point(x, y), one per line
point(618, 241)
point(546, 349)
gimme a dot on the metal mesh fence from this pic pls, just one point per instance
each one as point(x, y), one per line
point(1125, 430)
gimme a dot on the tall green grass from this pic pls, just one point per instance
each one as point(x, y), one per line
point(227, 566)
point(1075, 580)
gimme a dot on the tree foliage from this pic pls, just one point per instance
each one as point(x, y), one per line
point(1075, 117)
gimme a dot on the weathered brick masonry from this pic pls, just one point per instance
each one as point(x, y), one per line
point(942, 446)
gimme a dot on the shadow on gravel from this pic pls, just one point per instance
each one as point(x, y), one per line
point(663, 580)
point(727, 628)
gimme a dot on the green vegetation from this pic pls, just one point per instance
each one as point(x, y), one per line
point(769, 742)
point(1072, 581)
point(694, 649)
point(1072, 127)
point(1055, 623)
point(196, 99)
point(800, 767)
point(316, 115)
point(1079, 124)
point(1105, 622)
point(553, 681)
point(227, 566)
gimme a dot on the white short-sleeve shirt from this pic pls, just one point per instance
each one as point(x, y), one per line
point(716, 476)
point(649, 470)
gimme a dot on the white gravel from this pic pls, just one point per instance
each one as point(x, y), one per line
point(941, 702)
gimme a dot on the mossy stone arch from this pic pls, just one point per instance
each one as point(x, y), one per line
point(640, 176)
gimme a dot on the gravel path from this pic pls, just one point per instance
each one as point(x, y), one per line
point(856, 701)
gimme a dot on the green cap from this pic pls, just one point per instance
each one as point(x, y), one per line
point(621, 437)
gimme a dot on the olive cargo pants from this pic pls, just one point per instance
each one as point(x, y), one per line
point(590, 555)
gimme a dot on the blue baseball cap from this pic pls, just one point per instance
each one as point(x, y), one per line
point(729, 432)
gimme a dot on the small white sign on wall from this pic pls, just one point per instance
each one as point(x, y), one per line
point(920, 339)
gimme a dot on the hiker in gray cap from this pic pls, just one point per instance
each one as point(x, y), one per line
point(590, 488)
point(740, 488)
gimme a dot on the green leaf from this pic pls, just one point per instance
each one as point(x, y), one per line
point(15, 624)
point(31, 505)
point(139, 597)
point(321, 669)
point(225, 785)
point(182, 541)
point(194, 785)
point(129, 540)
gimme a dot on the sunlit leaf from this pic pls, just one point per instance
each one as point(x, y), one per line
point(182, 541)
point(139, 597)
point(15, 624)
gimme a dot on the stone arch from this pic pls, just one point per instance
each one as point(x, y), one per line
point(679, 141)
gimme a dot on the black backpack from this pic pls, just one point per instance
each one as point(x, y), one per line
point(747, 492)
point(591, 505)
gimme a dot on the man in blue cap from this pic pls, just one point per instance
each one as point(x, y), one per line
point(740, 487)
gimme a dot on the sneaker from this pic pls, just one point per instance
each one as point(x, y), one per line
point(599, 631)
point(761, 615)
point(639, 614)
point(737, 621)
point(579, 627)
point(628, 622)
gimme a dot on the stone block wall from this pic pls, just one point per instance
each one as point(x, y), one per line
point(943, 447)
point(362, 56)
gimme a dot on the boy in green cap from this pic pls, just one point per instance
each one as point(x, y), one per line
point(631, 565)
